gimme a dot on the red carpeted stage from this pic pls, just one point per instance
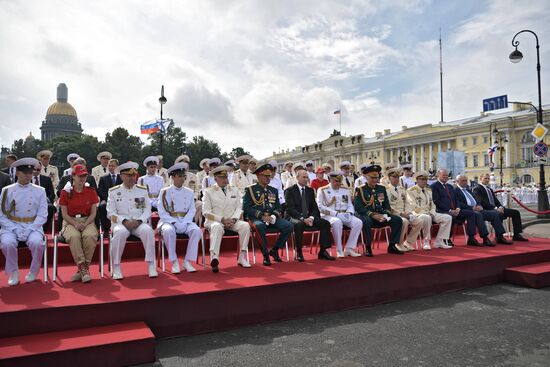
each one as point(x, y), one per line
point(73, 314)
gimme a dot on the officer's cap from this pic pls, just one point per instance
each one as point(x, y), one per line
point(273, 163)
point(264, 169)
point(309, 163)
point(389, 166)
point(345, 163)
point(336, 175)
point(326, 165)
point(44, 153)
point(180, 167)
point(423, 175)
point(214, 161)
point(72, 157)
point(407, 166)
point(25, 165)
point(104, 155)
point(243, 158)
point(297, 166)
point(150, 160)
point(394, 172)
point(182, 158)
point(230, 163)
point(253, 161)
point(129, 168)
point(203, 161)
point(372, 170)
point(289, 164)
point(220, 171)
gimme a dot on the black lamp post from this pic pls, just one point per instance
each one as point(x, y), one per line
point(162, 101)
point(502, 140)
point(515, 57)
point(492, 131)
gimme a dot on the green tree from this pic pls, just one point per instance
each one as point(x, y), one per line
point(86, 146)
point(173, 145)
point(26, 147)
point(123, 146)
point(237, 152)
point(200, 148)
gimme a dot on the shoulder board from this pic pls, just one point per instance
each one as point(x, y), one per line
point(141, 187)
point(361, 186)
point(114, 187)
point(323, 187)
point(414, 188)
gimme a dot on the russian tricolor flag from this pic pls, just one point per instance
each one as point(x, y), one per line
point(151, 127)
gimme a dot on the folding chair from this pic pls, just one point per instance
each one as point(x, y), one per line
point(269, 232)
point(179, 237)
point(227, 235)
point(314, 232)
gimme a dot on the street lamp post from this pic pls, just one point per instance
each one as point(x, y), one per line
point(162, 101)
point(515, 57)
point(492, 131)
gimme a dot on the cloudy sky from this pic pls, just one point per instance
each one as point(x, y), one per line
point(264, 75)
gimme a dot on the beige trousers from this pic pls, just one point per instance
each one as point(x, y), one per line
point(83, 243)
point(416, 227)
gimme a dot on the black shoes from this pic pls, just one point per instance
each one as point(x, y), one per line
point(368, 252)
point(487, 242)
point(300, 256)
point(274, 253)
point(450, 242)
point(267, 262)
point(214, 264)
point(473, 242)
point(393, 250)
point(503, 241)
point(519, 237)
point(324, 255)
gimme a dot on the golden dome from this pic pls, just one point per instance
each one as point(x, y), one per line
point(61, 108)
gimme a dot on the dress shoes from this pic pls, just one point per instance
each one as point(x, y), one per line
point(274, 253)
point(176, 267)
point(519, 237)
point(340, 254)
point(152, 267)
point(351, 252)
point(300, 256)
point(214, 264)
point(267, 262)
point(14, 278)
point(401, 247)
point(188, 267)
point(30, 277)
point(503, 241)
point(392, 249)
point(473, 242)
point(324, 255)
point(441, 244)
point(243, 261)
point(487, 242)
point(368, 251)
point(450, 242)
point(117, 272)
point(426, 245)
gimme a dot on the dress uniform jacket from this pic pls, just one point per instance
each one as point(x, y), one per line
point(241, 180)
point(98, 172)
point(407, 181)
point(422, 204)
point(52, 172)
point(348, 183)
point(288, 179)
point(153, 183)
point(131, 204)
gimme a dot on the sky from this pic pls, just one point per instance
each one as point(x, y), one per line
point(264, 75)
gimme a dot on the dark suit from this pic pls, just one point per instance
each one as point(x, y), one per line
point(444, 197)
point(482, 216)
point(485, 201)
point(46, 183)
point(295, 214)
point(105, 183)
point(5, 180)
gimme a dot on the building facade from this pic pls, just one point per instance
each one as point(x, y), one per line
point(420, 145)
point(61, 118)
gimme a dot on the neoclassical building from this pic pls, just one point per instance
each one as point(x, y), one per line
point(420, 145)
point(61, 118)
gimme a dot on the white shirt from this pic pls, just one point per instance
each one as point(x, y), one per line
point(362, 180)
point(153, 183)
point(23, 202)
point(276, 183)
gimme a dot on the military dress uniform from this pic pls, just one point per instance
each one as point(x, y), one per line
point(133, 203)
point(423, 207)
point(400, 206)
point(288, 179)
point(336, 206)
point(49, 170)
point(24, 211)
point(264, 200)
point(369, 201)
point(225, 203)
point(176, 208)
point(241, 180)
point(99, 170)
point(153, 183)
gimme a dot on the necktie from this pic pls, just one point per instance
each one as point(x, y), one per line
point(304, 204)
point(46, 169)
point(469, 198)
point(449, 195)
point(490, 195)
point(113, 178)
point(224, 192)
point(104, 170)
point(36, 181)
point(396, 189)
point(347, 181)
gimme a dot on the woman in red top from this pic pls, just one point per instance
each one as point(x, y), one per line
point(320, 180)
point(79, 207)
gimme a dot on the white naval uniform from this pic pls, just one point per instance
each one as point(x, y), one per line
point(52, 172)
point(98, 172)
point(241, 180)
point(176, 211)
point(24, 212)
point(276, 183)
point(163, 172)
point(288, 179)
point(153, 183)
point(423, 207)
point(67, 172)
point(336, 206)
point(361, 180)
point(399, 203)
point(207, 181)
point(217, 205)
point(311, 175)
point(348, 183)
point(131, 204)
point(191, 182)
point(406, 182)
point(200, 176)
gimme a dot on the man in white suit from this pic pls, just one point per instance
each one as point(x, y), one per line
point(222, 208)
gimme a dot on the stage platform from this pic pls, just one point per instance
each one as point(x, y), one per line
point(191, 303)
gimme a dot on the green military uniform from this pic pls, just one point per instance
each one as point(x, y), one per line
point(374, 200)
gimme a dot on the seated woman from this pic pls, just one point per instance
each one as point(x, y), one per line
point(79, 206)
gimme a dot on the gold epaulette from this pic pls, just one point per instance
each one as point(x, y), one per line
point(114, 187)
point(324, 187)
point(141, 187)
point(414, 188)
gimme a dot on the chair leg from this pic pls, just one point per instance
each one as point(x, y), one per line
point(203, 255)
point(387, 235)
point(54, 269)
point(45, 259)
point(363, 242)
point(162, 255)
point(101, 271)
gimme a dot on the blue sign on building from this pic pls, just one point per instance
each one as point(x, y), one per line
point(495, 103)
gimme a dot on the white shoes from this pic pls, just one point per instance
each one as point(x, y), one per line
point(152, 267)
point(188, 267)
point(407, 247)
point(401, 248)
point(243, 261)
point(117, 273)
point(426, 245)
point(340, 253)
point(440, 244)
point(351, 252)
point(29, 278)
point(14, 278)
point(176, 267)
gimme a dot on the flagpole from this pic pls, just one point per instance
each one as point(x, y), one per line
point(340, 117)
point(441, 73)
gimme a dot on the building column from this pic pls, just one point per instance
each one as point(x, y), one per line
point(391, 155)
point(438, 147)
point(422, 165)
point(430, 152)
point(448, 145)
point(414, 158)
point(398, 155)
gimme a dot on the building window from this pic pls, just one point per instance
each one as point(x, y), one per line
point(476, 163)
point(485, 139)
point(465, 161)
point(464, 142)
point(474, 140)
point(485, 159)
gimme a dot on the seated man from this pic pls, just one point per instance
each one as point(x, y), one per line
point(488, 200)
point(24, 211)
point(176, 212)
point(372, 206)
point(105, 183)
point(261, 205)
point(152, 181)
point(336, 206)
point(423, 208)
point(444, 197)
point(129, 209)
point(302, 211)
point(466, 200)
point(222, 208)
point(400, 206)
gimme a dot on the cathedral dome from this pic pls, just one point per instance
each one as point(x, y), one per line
point(61, 108)
point(61, 118)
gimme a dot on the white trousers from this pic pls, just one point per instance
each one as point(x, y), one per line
point(169, 233)
point(444, 221)
point(417, 224)
point(337, 225)
point(216, 230)
point(36, 244)
point(121, 234)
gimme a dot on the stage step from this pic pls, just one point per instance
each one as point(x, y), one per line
point(113, 345)
point(533, 275)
